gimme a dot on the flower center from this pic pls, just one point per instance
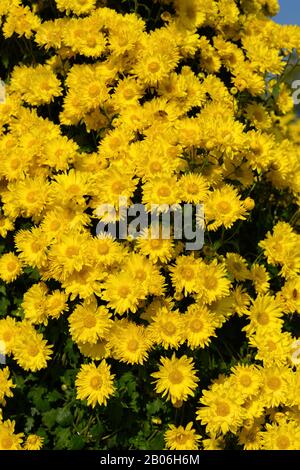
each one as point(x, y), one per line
point(283, 442)
point(31, 196)
point(155, 166)
point(91, 42)
point(103, 249)
point(89, 321)
point(132, 345)
point(164, 191)
point(262, 318)
point(210, 282)
point(223, 409)
point(271, 345)
point(35, 247)
point(176, 377)
point(12, 266)
point(187, 273)
point(117, 187)
point(122, 41)
point(96, 382)
point(115, 142)
point(153, 67)
point(54, 225)
point(140, 274)
point(74, 189)
point(123, 291)
point(169, 328)
point(14, 164)
point(33, 350)
point(6, 442)
point(72, 251)
point(128, 93)
point(7, 336)
point(245, 380)
point(94, 90)
point(224, 207)
point(256, 149)
point(155, 243)
point(196, 325)
point(192, 188)
point(181, 438)
point(274, 383)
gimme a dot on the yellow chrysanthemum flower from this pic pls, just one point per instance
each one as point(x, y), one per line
point(121, 294)
point(8, 332)
point(31, 350)
point(221, 412)
point(167, 328)
point(260, 278)
point(265, 312)
point(236, 265)
point(283, 436)
point(95, 383)
point(10, 267)
point(199, 326)
point(96, 351)
point(34, 304)
point(6, 384)
point(33, 442)
point(130, 343)
point(224, 207)
point(8, 439)
point(89, 323)
point(157, 248)
point(78, 7)
point(176, 379)
point(246, 379)
point(181, 438)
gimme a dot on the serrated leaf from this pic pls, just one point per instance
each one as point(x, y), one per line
point(49, 418)
point(64, 416)
point(29, 424)
point(53, 396)
point(77, 443)
point(63, 438)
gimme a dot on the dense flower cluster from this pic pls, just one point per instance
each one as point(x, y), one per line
point(190, 111)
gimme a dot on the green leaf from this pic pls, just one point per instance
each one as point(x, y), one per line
point(64, 417)
point(154, 406)
point(49, 418)
point(63, 438)
point(97, 430)
point(77, 443)
point(54, 396)
point(157, 442)
point(29, 424)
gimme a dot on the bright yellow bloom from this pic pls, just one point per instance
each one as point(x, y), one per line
point(31, 350)
point(199, 326)
point(181, 438)
point(88, 322)
point(33, 442)
point(130, 343)
point(167, 328)
point(6, 384)
point(95, 383)
point(10, 267)
point(176, 379)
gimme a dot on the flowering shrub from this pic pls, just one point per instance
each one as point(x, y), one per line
point(140, 343)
